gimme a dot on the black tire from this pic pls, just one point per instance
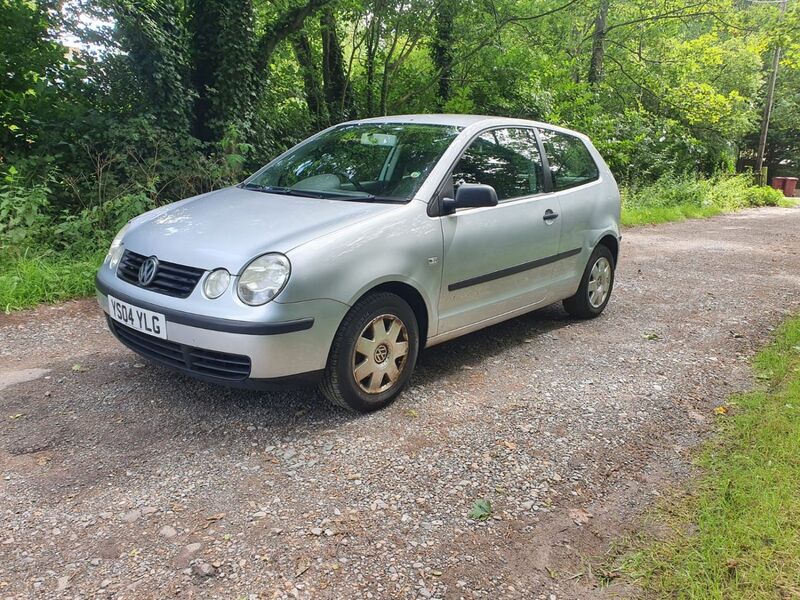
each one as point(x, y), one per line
point(580, 305)
point(339, 384)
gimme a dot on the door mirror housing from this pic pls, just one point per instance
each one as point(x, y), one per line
point(470, 195)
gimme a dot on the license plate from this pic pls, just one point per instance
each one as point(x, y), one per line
point(146, 321)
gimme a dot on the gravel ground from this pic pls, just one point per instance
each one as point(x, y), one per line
point(121, 479)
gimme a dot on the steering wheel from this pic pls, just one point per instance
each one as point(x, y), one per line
point(355, 183)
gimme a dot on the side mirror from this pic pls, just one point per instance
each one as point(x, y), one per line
point(470, 195)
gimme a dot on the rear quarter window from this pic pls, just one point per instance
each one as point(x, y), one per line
point(571, 164)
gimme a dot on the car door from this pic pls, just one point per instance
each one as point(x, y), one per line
point(498, 259)
point(576, 183)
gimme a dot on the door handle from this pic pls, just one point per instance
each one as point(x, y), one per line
point(549, 215)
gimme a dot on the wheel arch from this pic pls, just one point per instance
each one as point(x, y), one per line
point(612, 243)
point(414, 299)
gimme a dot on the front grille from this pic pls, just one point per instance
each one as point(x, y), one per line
point(209, 363)
point(171, 279)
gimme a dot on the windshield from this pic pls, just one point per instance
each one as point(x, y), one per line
point(366, 162)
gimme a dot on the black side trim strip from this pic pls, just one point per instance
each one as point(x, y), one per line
point(540, 262)
point(212, 323)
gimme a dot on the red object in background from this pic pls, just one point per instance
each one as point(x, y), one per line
point(778, 182)
point(789, 186)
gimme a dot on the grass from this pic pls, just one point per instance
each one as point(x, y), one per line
point(738, 534)
point(29, 279)
point(677, 199)
point(650, 215)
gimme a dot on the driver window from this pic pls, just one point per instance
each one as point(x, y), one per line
point(507, 159)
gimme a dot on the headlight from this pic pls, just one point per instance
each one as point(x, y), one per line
point(263, 279)
point(116, 250)
point(216, 283)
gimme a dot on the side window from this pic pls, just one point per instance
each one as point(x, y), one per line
point(570, 161)
point(506, 159)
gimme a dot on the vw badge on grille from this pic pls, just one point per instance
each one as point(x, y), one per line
point(147, 271)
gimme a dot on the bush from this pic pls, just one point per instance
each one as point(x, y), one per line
point(677, 198)
point(22, 212)
point(94, 228)
point(28, 278)
point(46, 257)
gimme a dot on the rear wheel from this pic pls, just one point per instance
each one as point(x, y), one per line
point(595, 290)
point(373, 354)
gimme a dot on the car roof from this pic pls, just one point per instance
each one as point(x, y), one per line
point(443, 119)
point(461, 121)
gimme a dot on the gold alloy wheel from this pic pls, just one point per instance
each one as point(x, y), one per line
point(599, 282)
point(380, 354)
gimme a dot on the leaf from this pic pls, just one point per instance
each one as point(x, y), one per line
point(303, 565)
point(16, 416)
point(481, 510)
point(412, 413)
point(77, 368)
point(721, 410)
point(580, 516)
point(651, 336)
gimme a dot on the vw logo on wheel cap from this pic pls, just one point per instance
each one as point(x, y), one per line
point(147, 271)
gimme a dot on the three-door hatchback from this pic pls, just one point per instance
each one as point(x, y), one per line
point(343, 257)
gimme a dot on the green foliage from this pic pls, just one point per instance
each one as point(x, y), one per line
point(738, 535)
point(93, 228)
point(22, 218)
point(31, 278)
point(481, 510)
point(29, 60)
point(171, 99)
point(677, 198)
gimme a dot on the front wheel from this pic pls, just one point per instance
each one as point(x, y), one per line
point(596, 284)
point(373, 354)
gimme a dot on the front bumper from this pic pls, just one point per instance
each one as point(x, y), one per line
point(293, 346)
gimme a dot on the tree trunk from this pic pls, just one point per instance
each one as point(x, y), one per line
point(338, 95)
point(442, 49)
point(387, 71)
point(373, 40)
point(161, 62)
point(315, 97)
point(222, 66)
point(598, 43)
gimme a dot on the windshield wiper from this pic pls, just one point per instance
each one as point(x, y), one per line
point(273, 189)
point(367, 198)
point(328, 195)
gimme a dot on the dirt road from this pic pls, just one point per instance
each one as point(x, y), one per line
point(121, 479)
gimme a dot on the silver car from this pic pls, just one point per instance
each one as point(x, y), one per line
point(345, 256)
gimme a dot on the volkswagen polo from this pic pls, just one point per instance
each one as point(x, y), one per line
point(342, 258)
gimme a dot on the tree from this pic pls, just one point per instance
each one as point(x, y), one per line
point(338, 91)
point(315, 95)
point(442, 48)
point(598, 43)
point(31, 63)
point(207, 56)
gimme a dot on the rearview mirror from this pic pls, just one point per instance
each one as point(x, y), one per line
point(470, 195)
